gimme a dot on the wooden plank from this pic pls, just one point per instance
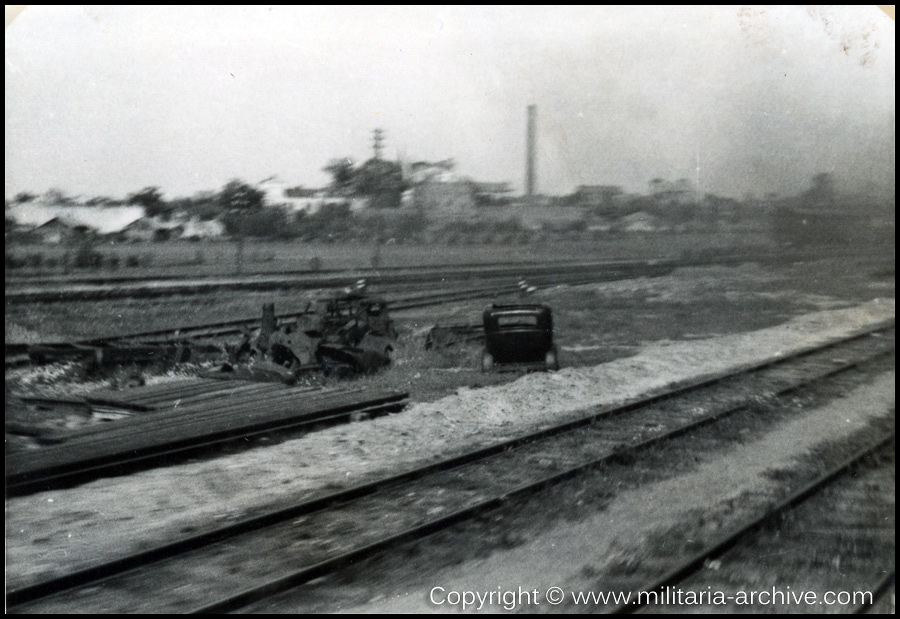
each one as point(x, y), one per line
point(149, 401)
point(52, 401)
point(211, 410)
point(136, 436)
point(194, 385)
point(214, 391)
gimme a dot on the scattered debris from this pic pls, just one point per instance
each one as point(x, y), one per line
point(348, 334)
point(444, 336)
point(156, 424)
point(105, 354)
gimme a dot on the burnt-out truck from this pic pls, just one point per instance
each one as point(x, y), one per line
point(346, 334)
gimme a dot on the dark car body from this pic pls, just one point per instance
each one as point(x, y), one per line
point(520, 335)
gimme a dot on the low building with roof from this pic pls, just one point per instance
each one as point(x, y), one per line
point(62, 218)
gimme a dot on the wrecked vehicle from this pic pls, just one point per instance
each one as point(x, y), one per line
point(351, 333)
point(355, 334)
point(518, 337)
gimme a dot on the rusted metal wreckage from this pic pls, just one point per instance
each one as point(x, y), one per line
point(345, 334)
point(351, 333)
point(100, 352)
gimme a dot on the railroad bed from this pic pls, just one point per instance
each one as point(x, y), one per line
point(62, 293)
point(839, 530)
point(417, 288)
point(165, 422)
point(173, 344)
point(333, 531)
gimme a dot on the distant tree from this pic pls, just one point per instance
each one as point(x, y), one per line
point(56, 196)
point(342, 175)
point(151, 199)
point(238, 196)
point(381, 181)
point(261, 223)
point(23, 197)
point(331, 222)
point(203, 205)
point(377, 175)
point(243, 215)
point(411, 227)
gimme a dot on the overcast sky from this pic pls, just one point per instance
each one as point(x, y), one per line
point(107, 100)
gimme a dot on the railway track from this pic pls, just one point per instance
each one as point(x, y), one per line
point(331, 531)
point(74, 278)
point(847, 510)
point(57, 293)
point(22, 287)
point(185, 419)
point(404, 288)
point(172, 341)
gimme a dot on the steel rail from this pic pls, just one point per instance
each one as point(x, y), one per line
point(275, 282)
point(237, 325)
point(304, 575)
point(688, 258)
point(349, 272)
point(16, 354)
point(128, 457)
point(112, 568)
point(731, 539)
point(877, 592)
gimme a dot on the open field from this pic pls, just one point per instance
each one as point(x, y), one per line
point(594, 323)
point(211, 258)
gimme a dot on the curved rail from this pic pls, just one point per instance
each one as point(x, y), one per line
point(39, 590)
point(696, 562)
point(18, 354)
